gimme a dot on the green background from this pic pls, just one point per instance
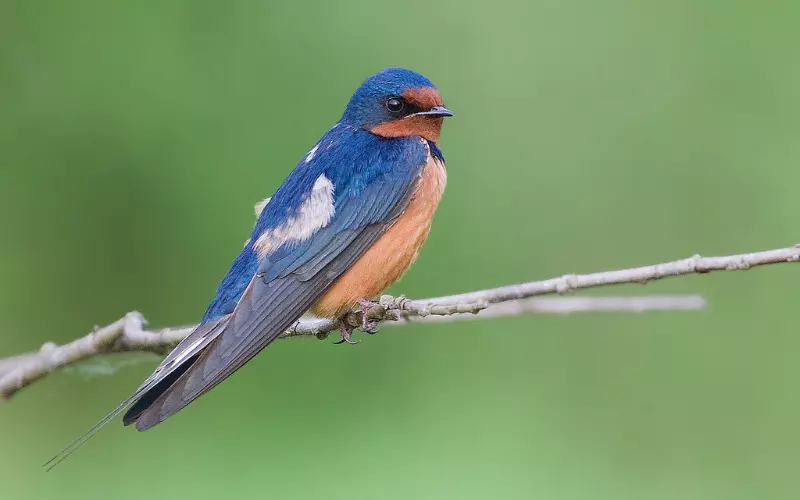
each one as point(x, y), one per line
point(135, 138)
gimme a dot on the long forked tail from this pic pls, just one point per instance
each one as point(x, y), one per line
point(88, 434)
point(176, 362)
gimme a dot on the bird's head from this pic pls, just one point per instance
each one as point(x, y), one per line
point(397, 103)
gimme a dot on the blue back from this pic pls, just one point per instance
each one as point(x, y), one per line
point(351, 158)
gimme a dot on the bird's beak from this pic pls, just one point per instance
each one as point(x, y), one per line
point(434, 111)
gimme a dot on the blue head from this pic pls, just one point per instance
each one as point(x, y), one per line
point(397, 103)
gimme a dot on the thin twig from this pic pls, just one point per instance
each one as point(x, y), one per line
point(129, 334)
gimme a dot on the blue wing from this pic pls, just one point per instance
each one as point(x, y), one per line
point(270, 286)
point(262, 295)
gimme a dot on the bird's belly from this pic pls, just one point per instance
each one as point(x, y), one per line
point(394, 252)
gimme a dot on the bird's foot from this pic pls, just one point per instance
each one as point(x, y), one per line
point(370, 320)
point(371, 315)
point(346, 329)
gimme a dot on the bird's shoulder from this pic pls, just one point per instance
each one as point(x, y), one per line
point(346, 180)
point(350, 159)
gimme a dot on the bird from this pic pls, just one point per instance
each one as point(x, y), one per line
point(345, 224)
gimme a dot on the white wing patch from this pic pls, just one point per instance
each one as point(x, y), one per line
point(310, 155)
point(314, 213)
point(260, 206)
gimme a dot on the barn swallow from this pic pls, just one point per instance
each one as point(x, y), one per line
point(346, 224)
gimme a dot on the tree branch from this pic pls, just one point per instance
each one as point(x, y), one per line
point(129, 333)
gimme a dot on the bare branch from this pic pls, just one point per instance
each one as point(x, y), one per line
point(572, 282)
point(575, 305)
point(129, 333)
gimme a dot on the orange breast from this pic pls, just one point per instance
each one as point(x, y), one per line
point(391, 256)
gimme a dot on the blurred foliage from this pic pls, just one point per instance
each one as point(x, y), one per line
point(135, 138)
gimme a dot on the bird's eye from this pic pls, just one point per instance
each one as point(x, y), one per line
point(395, 104)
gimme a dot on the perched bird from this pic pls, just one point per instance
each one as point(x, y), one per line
point(345, 225)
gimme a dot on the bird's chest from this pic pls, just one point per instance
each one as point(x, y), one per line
point(391, 256)
point(412, 227)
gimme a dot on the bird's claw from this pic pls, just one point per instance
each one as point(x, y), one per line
point(369, 324)
point(346, 340)
point(345, 329)
point(369, 321)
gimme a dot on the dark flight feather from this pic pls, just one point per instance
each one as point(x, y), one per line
point(188, 348)
point(265, 311)
point(292, 277)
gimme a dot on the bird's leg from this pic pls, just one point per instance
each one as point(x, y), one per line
point(369, 323)
point(345, 328)
point(371, 315)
